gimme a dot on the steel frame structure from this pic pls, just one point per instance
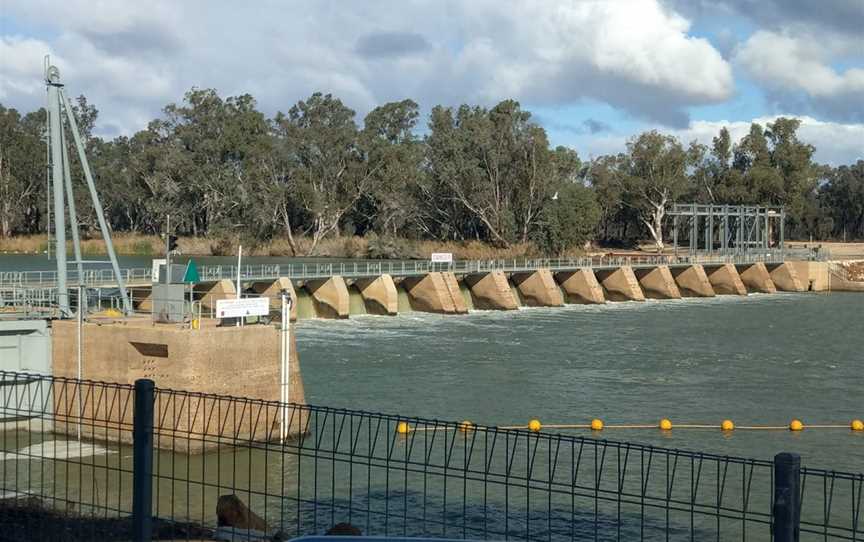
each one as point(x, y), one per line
point(60, 108)
point(727, 229)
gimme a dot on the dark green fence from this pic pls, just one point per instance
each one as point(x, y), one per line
point(156, 461)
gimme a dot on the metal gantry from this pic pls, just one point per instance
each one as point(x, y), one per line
point(728, 229)
point(60, 108)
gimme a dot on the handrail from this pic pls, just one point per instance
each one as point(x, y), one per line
point(104, 278)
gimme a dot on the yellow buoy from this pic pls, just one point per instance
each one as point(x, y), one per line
point(665, 424)
point(535, 425)
point(727, 425)
point(466, 426)
point(402, 428)
point(796, 425)
point(857, 425)
point(196, 324)
point(596, 424)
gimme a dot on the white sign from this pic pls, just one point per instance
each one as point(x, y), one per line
point(238, 308)
point(156, 265)
point(442, 257)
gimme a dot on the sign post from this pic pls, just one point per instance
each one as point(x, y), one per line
point(243, 307)
point(442, 257)
point(285, 353)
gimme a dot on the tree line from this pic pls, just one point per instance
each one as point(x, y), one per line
point(223, 169)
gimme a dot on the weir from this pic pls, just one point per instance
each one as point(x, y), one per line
point(725, 280)
point(620, 284)
point(658, 283)
point(274, 290)
point(431, 293)
point(581, 286)
point(693, 281)
point(756, 278)
point(379, 295)
point(491, 291)
point(538, 289)
point(785, 278)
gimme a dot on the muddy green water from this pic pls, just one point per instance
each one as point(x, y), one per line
point(759, 360)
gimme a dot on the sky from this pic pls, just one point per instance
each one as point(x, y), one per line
point(594, 73)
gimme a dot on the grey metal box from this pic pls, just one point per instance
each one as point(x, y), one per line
point(169, 303)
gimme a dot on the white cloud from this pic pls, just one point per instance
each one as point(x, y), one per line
point(797, 61)
point(21, 67)
point(789, 64)
point(134, 57)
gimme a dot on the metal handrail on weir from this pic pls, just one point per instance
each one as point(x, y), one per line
point(104, 278)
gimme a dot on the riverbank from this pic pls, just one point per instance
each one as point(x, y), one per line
point(372, 246)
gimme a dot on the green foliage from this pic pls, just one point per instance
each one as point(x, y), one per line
point(227, 173)
point(570, 220)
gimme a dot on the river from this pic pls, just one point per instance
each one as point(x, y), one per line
point(759, 360)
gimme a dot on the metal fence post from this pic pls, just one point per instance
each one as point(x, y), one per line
point(787, 506)
point(142, 461)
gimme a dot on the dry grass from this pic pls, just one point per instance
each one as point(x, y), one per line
point(334, 247)
point(124, 243)
point(24, 244)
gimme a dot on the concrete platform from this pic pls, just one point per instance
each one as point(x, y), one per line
point(236, 361)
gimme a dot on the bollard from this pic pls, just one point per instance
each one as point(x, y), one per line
point(142, 461)
point(787, 504)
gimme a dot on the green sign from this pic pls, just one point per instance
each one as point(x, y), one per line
point(191, 276)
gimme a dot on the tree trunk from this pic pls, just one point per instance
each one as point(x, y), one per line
point(655, 225)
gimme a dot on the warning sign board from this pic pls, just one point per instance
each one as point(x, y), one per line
point(239, 308)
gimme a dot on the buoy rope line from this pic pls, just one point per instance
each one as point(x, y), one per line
point(665, 424)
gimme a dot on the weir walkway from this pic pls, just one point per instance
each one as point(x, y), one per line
point(104, 278)
point(337, 290)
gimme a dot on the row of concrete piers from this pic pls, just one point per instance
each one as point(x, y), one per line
point(449, 293)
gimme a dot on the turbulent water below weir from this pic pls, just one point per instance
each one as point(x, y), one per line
point(759, 360)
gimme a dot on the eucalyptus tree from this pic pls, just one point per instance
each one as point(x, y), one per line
point(206, 149)
point(22, 171)
point(569, 218)
point(647, 178)
point(494, 163)
point(843, 199)
point(318, 140)
point(395, 156)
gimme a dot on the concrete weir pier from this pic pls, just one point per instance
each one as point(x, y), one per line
point(693, 282)
point(658, 283)
point(620, 284)
point(212, 359)
point(725, 279)
point(581, 286)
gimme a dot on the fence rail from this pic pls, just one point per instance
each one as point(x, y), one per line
point(440, 479)
point(96, 278)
